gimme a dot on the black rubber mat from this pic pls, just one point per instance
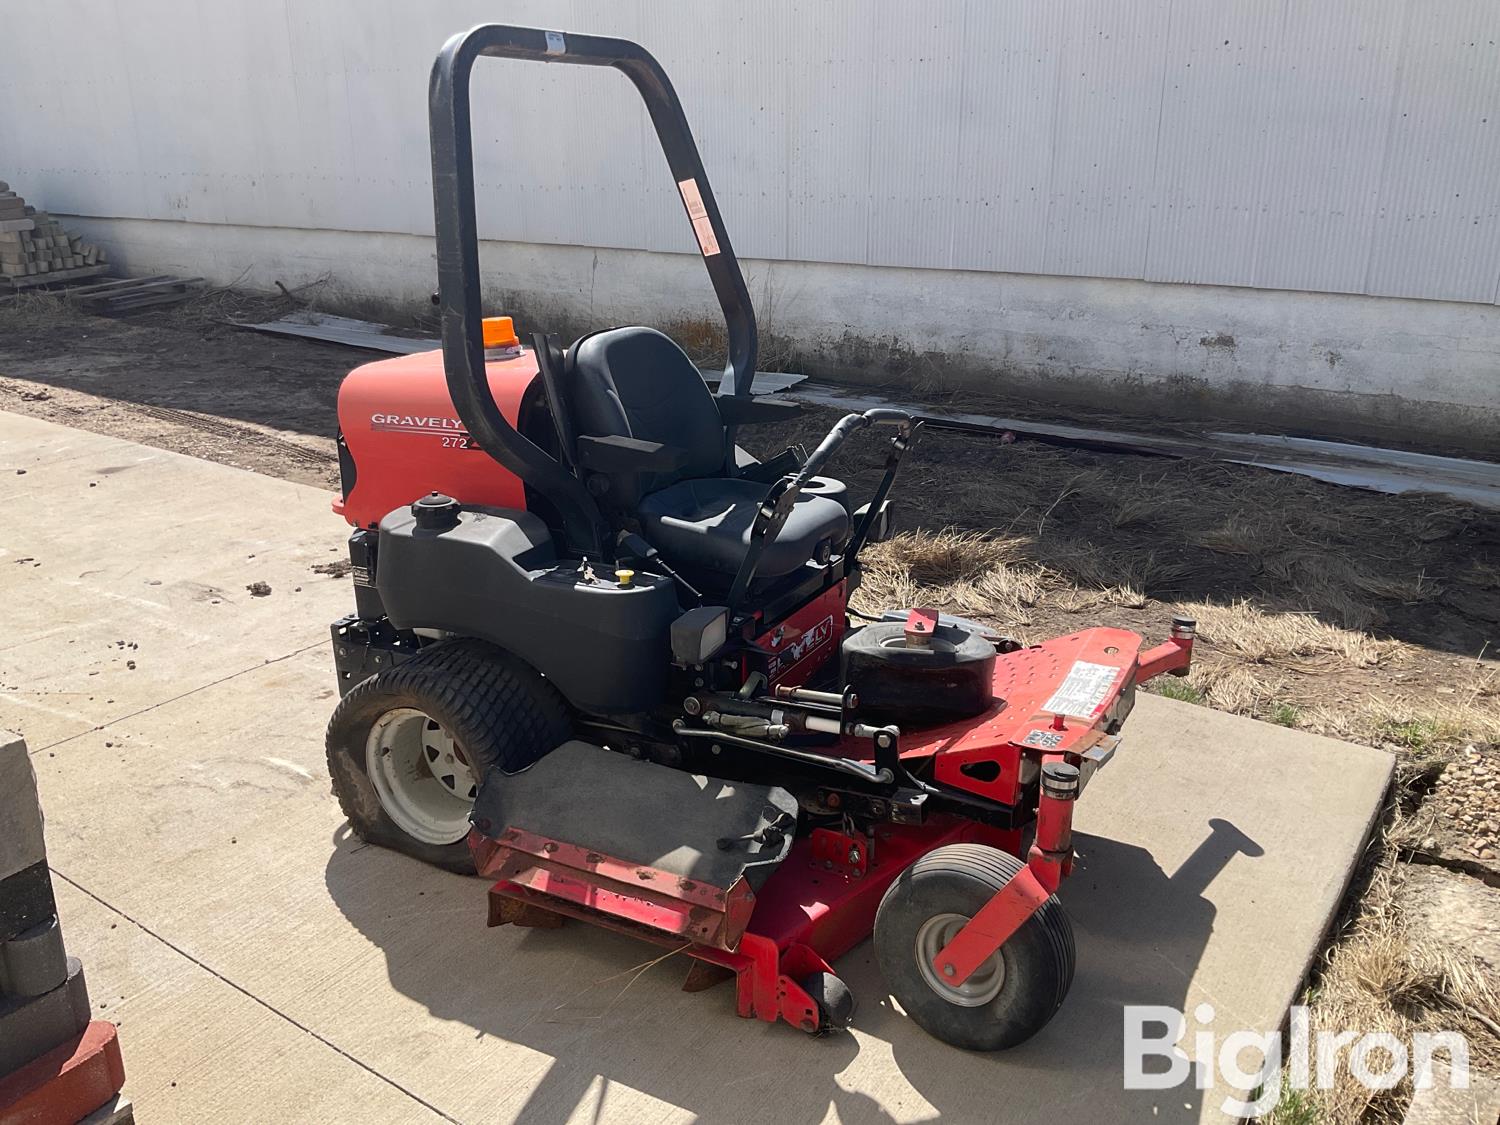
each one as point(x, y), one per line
point(645, 813)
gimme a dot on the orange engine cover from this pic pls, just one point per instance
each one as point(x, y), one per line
point(406, 440)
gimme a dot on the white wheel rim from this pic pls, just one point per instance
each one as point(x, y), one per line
point(982, 985)
point(421, 776)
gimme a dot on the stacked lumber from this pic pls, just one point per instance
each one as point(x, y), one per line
point(120, 295)
point(35, 249)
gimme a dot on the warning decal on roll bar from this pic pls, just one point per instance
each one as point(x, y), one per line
point(1084, 690)
point(699, 214)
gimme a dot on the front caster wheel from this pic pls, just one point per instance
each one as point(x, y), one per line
point(834, 1000)
point(1013, 994)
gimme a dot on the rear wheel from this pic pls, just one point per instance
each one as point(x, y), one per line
point(1013, 993)
point(409, 747)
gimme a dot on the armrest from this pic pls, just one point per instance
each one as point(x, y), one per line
point(772, 470)
point(736, 411)
point(616, 454)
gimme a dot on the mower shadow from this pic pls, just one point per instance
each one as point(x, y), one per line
point(607, 1010)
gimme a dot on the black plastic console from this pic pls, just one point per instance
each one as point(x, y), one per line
point(495, 575)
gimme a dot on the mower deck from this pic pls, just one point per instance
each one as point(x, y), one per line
point(1058, 699)
point(819, 904)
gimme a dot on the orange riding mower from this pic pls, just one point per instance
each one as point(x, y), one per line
point(604, 657)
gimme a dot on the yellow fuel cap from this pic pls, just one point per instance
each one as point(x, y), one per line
point(500, 332)
point(624, 577)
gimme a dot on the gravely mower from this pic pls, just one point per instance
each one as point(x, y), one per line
point(604, 657)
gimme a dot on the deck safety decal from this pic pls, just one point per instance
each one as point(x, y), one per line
point(699, 214)
point(1084, 689)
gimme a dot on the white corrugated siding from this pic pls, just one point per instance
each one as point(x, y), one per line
point(1339, 145)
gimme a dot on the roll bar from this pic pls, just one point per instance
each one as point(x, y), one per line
point(458, 244)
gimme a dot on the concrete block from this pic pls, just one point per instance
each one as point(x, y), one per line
point(32, 1026)
point(67, 1083)
point(21, 843)
point(17, 224)
point(25, 900)
point(34, 961)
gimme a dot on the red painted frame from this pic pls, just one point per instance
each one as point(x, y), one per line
point(810, 911)
point(821, 901)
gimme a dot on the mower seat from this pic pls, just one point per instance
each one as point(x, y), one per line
point(636, 383)
point(705, 525)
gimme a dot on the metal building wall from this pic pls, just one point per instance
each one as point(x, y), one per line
point(1339, 145)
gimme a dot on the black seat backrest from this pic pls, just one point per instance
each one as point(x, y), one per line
point(635, 382)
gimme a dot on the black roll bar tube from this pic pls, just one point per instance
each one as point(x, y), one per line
point(458, 244)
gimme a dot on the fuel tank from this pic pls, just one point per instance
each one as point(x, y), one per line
point(400, 437)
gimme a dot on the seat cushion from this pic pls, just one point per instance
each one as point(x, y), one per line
point(635, 382)
point(705, 525)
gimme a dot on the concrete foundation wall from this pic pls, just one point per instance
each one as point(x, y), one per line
point(1391, 369)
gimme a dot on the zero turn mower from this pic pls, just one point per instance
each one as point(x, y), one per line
point(604, 657)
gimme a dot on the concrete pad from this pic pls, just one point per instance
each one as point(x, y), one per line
point(1213, 853)
point(198, 1049)
point(122, 586)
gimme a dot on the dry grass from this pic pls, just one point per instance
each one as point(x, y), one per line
point(1234, 536)
point(960, 571)
point(31, 309)
point(1296, 668)
point(1436, 723)
point(1377, 978)
point(1263, 638)
point(1233, 688)
point(991, 578)
point(1483, 573)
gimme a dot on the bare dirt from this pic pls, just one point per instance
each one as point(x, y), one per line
point(181, 379)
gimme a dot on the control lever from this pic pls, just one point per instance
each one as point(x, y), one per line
point(772, 512)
